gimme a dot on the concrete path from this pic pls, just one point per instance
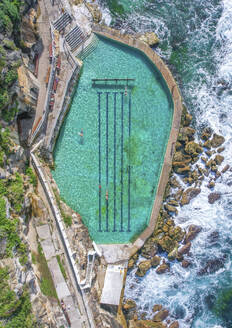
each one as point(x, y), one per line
point(71, 310)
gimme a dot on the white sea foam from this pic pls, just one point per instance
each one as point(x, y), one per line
point(184, 288)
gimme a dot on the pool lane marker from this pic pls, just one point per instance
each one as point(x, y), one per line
point(129, 167)
point(107, 160)
point(99, 157)
point(115, 122)
point(122, 127)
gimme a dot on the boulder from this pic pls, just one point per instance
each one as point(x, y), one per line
point(182, 170)
point(180, 157)
point(188, 119)
point(95, 12)
point(174, 324)
point(185, 263)
point(178, 146)
point(212, 266)
point(184, 249)
point(217, 140)
point(149, 249)
point(164, 267)
point(129, 304)
point(161, 315)
point(221, 149)
point(219, 159)
point(186, 134)
point(143, 267)
point(174, 183)
point(193, 230)
point(213, 197)
point(131, 263)
point(173, 254)
point(155, 261)
point(207, 144)
point(145, 324)
point(189, 194)
point(206, 133)
point(211, 184)
point(226, 168)
point(171, 209)
point(194, 149)
point(157, 307)
point(166, 243)
point(150, 38)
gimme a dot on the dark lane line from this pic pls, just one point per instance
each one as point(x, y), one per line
point(122, 128)
point(99, 158)
point(129, 167)
point(115, 123)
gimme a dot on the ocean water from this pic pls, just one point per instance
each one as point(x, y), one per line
point(196, 41)
point(123, 136)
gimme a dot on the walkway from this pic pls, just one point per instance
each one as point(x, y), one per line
point(70, 310)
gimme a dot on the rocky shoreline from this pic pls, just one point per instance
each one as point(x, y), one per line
point(193, 163)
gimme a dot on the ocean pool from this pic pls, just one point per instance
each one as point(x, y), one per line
point(111, 173)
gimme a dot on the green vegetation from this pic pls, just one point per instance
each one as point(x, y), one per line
point(46, 283)
point(67, 218)
point(32, 176)
point(16, 192)
point(178, 57)
point(15, 311)
point(8, 114)
point(222, 307)
point(62, 269)
point(116, 8)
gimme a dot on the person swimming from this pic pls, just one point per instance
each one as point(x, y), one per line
point(107, 195)
point(81, 133)
point(125, 93)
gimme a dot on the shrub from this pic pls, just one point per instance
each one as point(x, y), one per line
point(33, 177)
point(10, 77)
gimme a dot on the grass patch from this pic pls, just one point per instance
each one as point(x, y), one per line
point(46, 283)
point(62, 269)
point(67, 218)
point(32, 176)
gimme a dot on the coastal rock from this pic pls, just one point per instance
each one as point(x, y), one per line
point(129, 304)
point(164, 267)
point(157, 307)
point(178, 146)
point(189, 194)
point(217, 140)
point(161, 315)
point(211, 184)
point(155, 261)
point(188, 119)
point(167, 243)
point(150, 38)
point(193, 230)
point(95, 11)
point(221, 149)
point(194, 149)
point(213, 197)
point(143, 267)
point(149, 249)
point(206, 134)
point(180, 157)
point(212, 266)
point(184, 249)
point(146, 324)
point(185, 263)
point(207, 144)
point(173, 254)
point(219, 159)
point(182, 170)
point(171, 209)
point(175, 324)
point(226, 168)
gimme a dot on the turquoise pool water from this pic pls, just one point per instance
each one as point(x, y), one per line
point(110, 175)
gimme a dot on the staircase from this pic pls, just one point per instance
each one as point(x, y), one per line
point(75, 37)
point(82, 54)
point(62, 21)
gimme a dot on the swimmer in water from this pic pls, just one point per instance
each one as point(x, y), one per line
point(107, 195)
point(125, 93)
point(81, 134)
